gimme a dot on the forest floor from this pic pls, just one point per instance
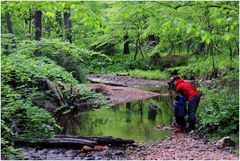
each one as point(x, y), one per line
point(181, 146)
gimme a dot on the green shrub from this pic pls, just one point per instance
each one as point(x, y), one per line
point(219, 111)
point(19, 69)
point(202, 66)
point(63, 53)
point(20, 117)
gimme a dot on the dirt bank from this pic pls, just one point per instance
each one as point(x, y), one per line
point(181, 147)
point(118, 95)
point(126, 81)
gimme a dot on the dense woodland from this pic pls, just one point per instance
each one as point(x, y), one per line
point(47, 43)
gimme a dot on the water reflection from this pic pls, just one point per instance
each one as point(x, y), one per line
point(152, 112)
point(134, 120)
point(128, 112)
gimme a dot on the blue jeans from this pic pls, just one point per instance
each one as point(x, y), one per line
point(192, 109)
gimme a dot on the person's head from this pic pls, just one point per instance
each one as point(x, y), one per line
point(177, 98)
point(179, 92)
point(176, 78)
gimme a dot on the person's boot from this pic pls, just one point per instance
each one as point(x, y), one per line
point(182, 128)
point(177, 129)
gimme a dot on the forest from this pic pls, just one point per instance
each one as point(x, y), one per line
point(99, 69)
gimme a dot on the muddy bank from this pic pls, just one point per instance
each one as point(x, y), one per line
point(181, 147)
point(117, 95)
point(126, 81)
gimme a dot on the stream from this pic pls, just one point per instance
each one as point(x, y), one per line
point(135, 120)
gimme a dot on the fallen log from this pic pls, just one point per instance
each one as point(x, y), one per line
point(66, 141)
point(101, 140)
point(56, 142)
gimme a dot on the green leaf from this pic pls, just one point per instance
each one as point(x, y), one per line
point(219, 20)
point(228, 36)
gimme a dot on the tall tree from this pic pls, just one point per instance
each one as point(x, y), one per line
point(126, 49)
point(38, 25)
point(9, 26)
point(59, 23)
point(68, 25)
point(38, 29)
point(30, 24)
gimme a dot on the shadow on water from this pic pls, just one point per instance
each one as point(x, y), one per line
point(135, 120)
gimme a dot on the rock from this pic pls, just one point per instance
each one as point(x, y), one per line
point(123, 74)
point(99, 147)
point(226, 141)
point(119, 152)
point(166, 128)
point(106, 147)
point(98, 158)
point(87, 148)
point(89, 158)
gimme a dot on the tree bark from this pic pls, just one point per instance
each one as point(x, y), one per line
point(56, 142)
point(73, 141)
point(38, 29)
point(30, 24)
point(10, 30)
point(9, 24)
point(68, 26)
point(126, 44)
point(38, 25)
point(136, 50)
point(59, 23)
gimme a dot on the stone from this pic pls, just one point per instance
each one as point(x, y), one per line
point(99, 147)
point(226, 141)
point(119, 152)
point(87, 148)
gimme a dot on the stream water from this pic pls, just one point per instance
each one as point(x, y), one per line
point(135, 120)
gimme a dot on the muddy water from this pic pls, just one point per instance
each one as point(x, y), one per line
point(135, 120)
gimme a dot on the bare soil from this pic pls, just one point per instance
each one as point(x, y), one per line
point(119, 95)
point(126, 81)
point(182, 147)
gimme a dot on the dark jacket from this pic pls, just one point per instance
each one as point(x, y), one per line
point(179, 109)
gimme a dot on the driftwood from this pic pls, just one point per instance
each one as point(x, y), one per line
point(56, 142)
point(57, 92)
point(66, 141)
point(101, 140)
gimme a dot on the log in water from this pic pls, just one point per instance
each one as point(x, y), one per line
point(66, 141)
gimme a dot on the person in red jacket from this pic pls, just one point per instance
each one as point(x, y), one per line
point(192, 96)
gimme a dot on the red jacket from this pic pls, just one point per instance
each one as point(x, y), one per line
point(188, 90)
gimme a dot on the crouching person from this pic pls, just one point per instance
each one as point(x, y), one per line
point(180, 111)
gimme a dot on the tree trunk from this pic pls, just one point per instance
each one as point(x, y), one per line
point(231, 55)
point(126, 44)
point(9, 26)
point(68, 26)
point(213, 61)
point(237, 44)
point(38, 25)
point(38, 29)
point(140, 48)
point(136, 50)
point(59, 24)
point(30, 24)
